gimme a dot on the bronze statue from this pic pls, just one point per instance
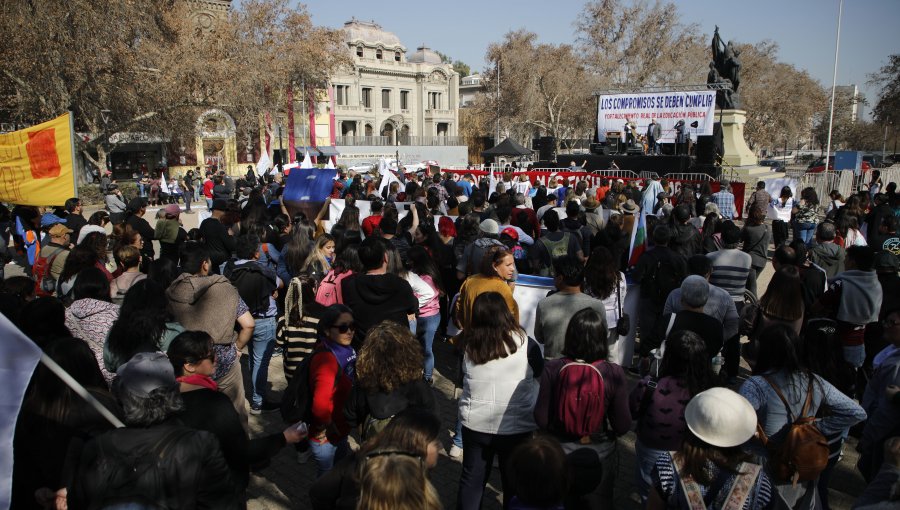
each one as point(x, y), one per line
point(725, 68)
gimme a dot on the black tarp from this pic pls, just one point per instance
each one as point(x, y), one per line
point(507, 147)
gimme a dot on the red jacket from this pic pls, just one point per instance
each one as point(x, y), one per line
point(328, 398)
point(208, 188)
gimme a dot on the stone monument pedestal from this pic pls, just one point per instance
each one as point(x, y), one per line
point(737, 154)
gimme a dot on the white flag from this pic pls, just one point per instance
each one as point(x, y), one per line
point(18, 358)
point(307, 161)
point(387, 177)
point(263, 164)
point(163, 184)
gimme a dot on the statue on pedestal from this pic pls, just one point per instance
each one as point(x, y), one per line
point(725, 68)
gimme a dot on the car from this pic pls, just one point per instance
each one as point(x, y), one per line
point(777, 165)
point(818, 166)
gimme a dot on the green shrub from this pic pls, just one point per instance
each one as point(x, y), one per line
point(90, 193)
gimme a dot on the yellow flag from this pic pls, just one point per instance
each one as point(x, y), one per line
point(36, 164)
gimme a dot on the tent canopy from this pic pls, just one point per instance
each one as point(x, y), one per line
point(508, 147)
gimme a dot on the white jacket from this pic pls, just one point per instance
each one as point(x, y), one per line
point(499, 396)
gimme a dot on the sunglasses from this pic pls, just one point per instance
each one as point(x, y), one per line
point(343, 328)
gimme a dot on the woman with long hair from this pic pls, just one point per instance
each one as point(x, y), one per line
point(193, 360)
point(144, 325)
point(332, 372)
point(429, 320)
point(163, 272)
point(806, 215)
point(604, 281)
point(346, 263)
point(52, 416)
point(99, 244)
point(782, 303)
point(80, 258)
point(388, 379)
point(779, 390)
point(411, 433)
point(711, 234)
point(296, 251)
point(496, 270)
point(657, 403)
point(501, 366)
point(595, 452)
point(130, 261)
point(318, 262)
point(711, 464)
point(92, 314)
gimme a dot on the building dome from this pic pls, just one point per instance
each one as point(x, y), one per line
point(370, 33)
point(424, 55)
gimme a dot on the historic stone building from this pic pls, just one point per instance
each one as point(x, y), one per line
point(387, 92)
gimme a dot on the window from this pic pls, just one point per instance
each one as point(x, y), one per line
point(359, 51)
point(367, 97)
point(341, 95)
point(404, 100)
point(378, 54)
point(396, 56)
point(434, 100)
point(385, 98)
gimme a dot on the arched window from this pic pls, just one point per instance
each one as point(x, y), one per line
point(378, 54)
point(396, 56)
point(359, 51)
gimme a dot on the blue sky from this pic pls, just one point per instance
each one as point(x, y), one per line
point(803, 29)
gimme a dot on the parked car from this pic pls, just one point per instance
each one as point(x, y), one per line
point(777, 165)
point(818, 166)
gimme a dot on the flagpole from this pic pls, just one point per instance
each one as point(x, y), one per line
point(80, 390)
point(837, 48)
point(72, 140)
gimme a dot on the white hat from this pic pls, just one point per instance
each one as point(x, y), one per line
point(720, 417)
point(490, 226)
point(87, 229)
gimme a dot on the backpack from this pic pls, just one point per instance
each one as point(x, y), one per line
point(329, 288)
point(580, 399)
point(296, 404)
point(661, 281)
point(44, 285)
point(555, 249)
point(252, 285)
point(803, 453)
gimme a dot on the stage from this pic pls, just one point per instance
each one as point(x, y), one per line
point(660, 165)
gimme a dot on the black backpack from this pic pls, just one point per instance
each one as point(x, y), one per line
point(252, 285)
point(661, 281)
point(296, 404)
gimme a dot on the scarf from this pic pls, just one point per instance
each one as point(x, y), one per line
point(346, 358)
point(204, 381)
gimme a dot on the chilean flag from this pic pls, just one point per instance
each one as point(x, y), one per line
point(638, 239)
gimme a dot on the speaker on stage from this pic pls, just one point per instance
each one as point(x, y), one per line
point(547, 148)
point(598, 149)
point(709, 146)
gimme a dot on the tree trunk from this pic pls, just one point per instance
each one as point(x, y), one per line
point(99, 163)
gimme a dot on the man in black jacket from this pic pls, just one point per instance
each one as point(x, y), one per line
point(377, 295)
point(217, 238)
point(258, 286)
point(686, 237)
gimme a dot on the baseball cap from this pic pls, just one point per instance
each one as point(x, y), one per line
point(511, 232)
point(173, 210)
point(59, 230)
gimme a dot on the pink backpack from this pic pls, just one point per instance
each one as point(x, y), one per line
point(329, 291)
point(580, 398)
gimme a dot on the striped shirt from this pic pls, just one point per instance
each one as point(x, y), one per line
point(731, 268)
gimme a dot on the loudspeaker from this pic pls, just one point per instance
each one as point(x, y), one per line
point(547, 148)
point(709, 146)
point(598, 149)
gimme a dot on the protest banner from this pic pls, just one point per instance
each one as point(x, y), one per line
point(666, 107)
point(36, 164)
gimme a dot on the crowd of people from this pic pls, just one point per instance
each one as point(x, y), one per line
point(354, 306)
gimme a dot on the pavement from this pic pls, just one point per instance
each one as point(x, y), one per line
point(285, 484)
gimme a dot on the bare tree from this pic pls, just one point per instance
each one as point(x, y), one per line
point(632, 44)
point(152, 66)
